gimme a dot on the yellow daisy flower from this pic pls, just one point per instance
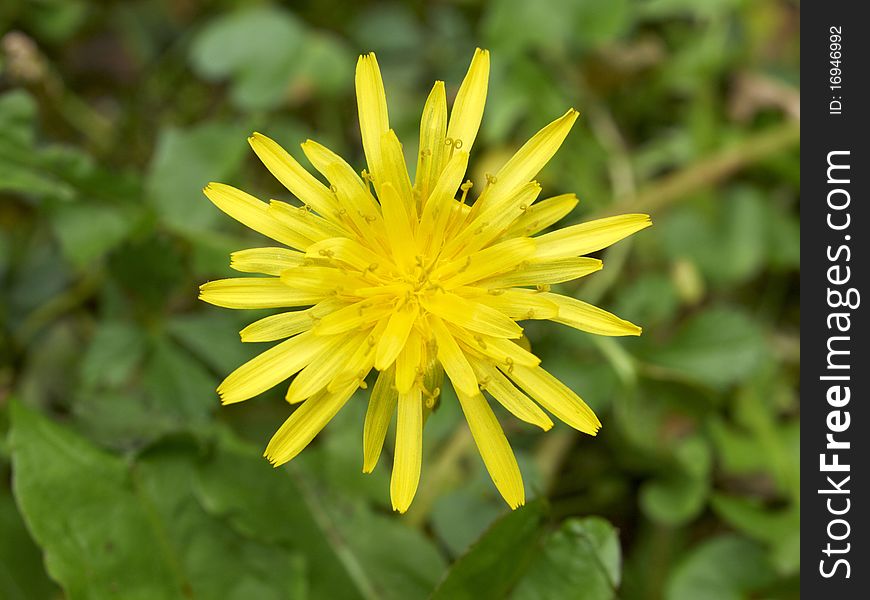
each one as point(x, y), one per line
point(404, 278)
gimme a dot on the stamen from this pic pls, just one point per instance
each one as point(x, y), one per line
point(465, 187)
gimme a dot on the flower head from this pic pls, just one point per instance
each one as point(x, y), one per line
point(408, 279)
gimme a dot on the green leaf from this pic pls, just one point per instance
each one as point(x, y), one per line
point(108, 527)
point(256, 48)
point(352, 552)
point(717, 347)
point(498, 559)
point(82, 508)
point(581, 561)
point(184, 162)
point(725, 568)
point(22, 575)
point(115, 350)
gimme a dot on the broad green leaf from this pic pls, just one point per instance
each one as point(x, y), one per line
point(76, 226)
point(717, 347)
point(184, 162)
point(581, 561)
point(109, 527)
point(22, 575)
point(351, 552)
point(256, 48)
point(115, 350)
point(494, 564)
point(727, 567)
point(83, 509)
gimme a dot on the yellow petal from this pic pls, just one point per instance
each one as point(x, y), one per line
point(305, 423)
point(382, 403)
point(408, 459)
point(490, 224)
point(354, 316)
point(438, 209)
point(269, 261)
point(351, 253)
point(501, 351)
point(322, 369)
point(467, 111)
point(584, 238)
point(295, 178)
point(452, 358)
point(529, 159)
point(471, 315)
point(507, 394)
point(271, 367)
point(517, 304)
point(545, 272)
point(324, 281)
point(556, 397)
point(304, 222)
point(393, 339)
point(254, 214)
point(485, 263)
point(284, 325)
point(542, 214)
point(494, 448)
point(395, 172)
point(255, 292)
point(398, 225)
point(586, 317)
point(433, 130)
point(372, 106)
point(408, 362)
point(360, 364)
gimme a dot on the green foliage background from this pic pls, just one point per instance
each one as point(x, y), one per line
point(123, 478)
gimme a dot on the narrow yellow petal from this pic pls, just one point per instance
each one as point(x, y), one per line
point(586, 317)
point(304, 222)
point(490, 224)
point(255, 292)
point(501, 351)
point(253, 213)
point(269, 261)
point(305, 423)
point(500, 387)
point(352, 254)
point(542, 214)
point(584, 238)
point(494, 448)
point(408, 362)
point(516, 304)
point(354, 316)
point(397, 220)
point(555, 396)
point(271, 367)
point(545, 272)
point(295, 178)
point(393, 339)
point(529, 160)
point(372, 107)
point(363, 360)
point(471, 315)
point(433, 131)
point(467, 111)
point(395, 172)
point(382, 403)
point(284, 325)
point(322, 369)
point(408, 458)
point(452, 358)
point(324, 281)
point(438, 209)
point(484, 263)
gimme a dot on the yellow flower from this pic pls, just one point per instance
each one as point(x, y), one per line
point(404, 278)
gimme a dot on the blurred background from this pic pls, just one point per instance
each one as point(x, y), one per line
point(122, 477)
